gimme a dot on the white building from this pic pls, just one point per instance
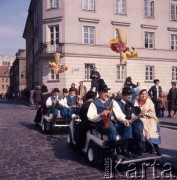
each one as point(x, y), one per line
point(6, 60)
point(81, 31)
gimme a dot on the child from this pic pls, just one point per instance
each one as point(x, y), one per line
point(162, 104)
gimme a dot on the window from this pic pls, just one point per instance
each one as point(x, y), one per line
point(120, 6)
point(148, 8)
point(6, 63)
point(2, 86)
point(2, 80)
point(53, 76)
point(116, 35)
point(88, 70)
point(174, 73)
point(54, 38)
point(7, 86)
point(54, 4)
point(89, 5)
point(149, 73)
point(6, 80)
point(89, 35)
point(173, 12)
point(121, 72)
point(149, 40)
point(173, 42)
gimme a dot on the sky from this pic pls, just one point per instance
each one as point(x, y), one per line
point(13, 15)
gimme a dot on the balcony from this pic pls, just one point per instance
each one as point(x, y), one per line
point(49, 48)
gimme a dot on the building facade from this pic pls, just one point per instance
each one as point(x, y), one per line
point(4, 80)
point(18, 75)
point(6, 60)
point(81, 30)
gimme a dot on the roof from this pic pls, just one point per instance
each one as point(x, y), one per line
point(4, 71)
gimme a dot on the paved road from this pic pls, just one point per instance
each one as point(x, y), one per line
point(26, 153)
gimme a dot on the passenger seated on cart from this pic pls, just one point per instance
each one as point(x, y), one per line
point(99, 110)
point(43, 108)
point(84, 126)
point(69, 105)
point(151, 126)
point(53, 103)
point(128, 109)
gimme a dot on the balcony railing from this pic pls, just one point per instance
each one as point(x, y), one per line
point(48, 48)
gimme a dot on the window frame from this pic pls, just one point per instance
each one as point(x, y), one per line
point(175, 12)
point(89, 39)
point(122, 72)
point(174, 71)
point(174, 42)
point(148, 75)
point(149, 12)
point(55, 76)
point(86, 5)
point(119, 9)
point(148, 39)
point(88, 70)
point(53, 4)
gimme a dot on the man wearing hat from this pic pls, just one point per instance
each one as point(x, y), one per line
point(154, 92)
point(53, 103)
point(69, 104)
point(98, 111)
point(80, 135)
point(127, 109)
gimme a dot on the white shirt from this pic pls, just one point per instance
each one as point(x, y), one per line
point(157, 87)
point(95, 117)
point(49, 102)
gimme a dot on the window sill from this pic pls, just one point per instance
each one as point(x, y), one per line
point(149, 81)
point(87, 10)
point(120, 14)
point(54, 8)
point(119, 81)
point(53, 81)
point(87, 80)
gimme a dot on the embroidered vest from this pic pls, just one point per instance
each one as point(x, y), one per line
point(71, 100)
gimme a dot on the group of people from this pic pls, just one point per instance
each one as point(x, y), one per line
point(134, 119)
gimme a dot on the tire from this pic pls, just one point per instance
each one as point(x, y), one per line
point(92, 154)
point(69, 138)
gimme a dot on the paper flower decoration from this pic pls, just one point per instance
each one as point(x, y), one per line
point(120, 46)
point(56, 66)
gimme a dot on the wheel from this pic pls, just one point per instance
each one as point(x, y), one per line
point(92, 154)
point(69, 138)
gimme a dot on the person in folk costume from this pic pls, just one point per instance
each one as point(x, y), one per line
point(54, 103)
point(81, 129)
point(172, 100)
point(43, 108)
point(162, 104)
point(98, 112)
point(69, 105)
point(94, 76)
point(129, 111)
point(154, 92)
point(151, 127)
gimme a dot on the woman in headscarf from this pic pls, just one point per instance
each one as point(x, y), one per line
point(151, 126)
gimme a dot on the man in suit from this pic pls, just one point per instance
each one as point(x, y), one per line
point(154, 92)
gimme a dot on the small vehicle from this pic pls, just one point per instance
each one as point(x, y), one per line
point(47, 123)
point(95, 147)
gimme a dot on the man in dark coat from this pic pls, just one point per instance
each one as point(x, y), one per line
point(94, 76)
point(154, 92)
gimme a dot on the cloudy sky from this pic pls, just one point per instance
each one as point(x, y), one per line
point(13, 14)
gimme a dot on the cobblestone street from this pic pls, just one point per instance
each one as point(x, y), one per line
point(26, 153)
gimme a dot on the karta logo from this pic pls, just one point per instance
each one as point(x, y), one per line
point(113, 169)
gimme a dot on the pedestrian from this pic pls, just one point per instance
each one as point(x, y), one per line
point(73, 86)
point(154, 92)
point(37, 97)
point(94, 76)
point(172, 100)
point(82, 90)
point(162, 104)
